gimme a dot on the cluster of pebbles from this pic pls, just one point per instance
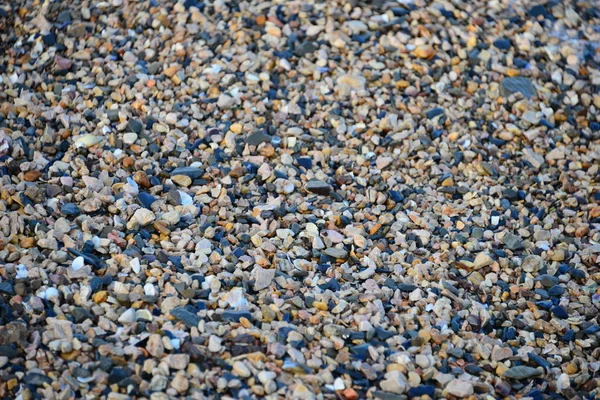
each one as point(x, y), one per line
point(299, 199)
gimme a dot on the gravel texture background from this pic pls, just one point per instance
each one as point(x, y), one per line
point(299, 199)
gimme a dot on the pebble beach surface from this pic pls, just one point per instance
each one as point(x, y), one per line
point(299, 199)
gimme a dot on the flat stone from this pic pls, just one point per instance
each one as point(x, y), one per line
point(518, 84)
point(319, 187)
point(460, 388)
point(522, 372)
point(188, 318)
point(336, 253)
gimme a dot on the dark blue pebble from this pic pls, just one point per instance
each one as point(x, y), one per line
point(422, 391)
point(595, 127)
point(146, 199)
point(559, 312)
point(539, 360)
point(305, 162)
point(502, 44)
point(569, 336)
point(437, 133)
point(546, 123)
point(592, 329)
point(70, 209)
point(577, 273)
point(435, 112)
point(535, 395)
point(545, 304)
point(556, 290)
point(396, 196)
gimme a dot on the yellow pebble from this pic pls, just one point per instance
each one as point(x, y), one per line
point(236, 128)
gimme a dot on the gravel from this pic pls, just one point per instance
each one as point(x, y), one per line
point(304, 200)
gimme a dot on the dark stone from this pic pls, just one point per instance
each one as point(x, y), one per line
point(116, 375)
point(113, 115)
point(7, 288)
point(190, 319)
point(305, 162)
point(431, 114)
point(306, 47)
point(80, 314)
point(256, 138)
point(37, 379)
point(518, 84)
point(234, 315)
point(559, 312)
point(521, 372)
point(70, 209)
point(424, 390)
point(8, 351)
point(146, 199)
point(192, 172)
point(135, 125)
point(49, 39)
point(319, 187)
point(548, 281)
point(502, 44)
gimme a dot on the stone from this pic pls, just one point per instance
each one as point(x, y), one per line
point(264, 277)
point(517, 84)
point(460, 388)
point(319, 187)
point(521, 372)
point(482, 260)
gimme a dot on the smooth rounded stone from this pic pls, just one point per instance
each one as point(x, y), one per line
point(459, 388)
point(155, 346)
point(521, 372)
point(336, 253)
point(532, 264)
point(180, 383)
point(178, 361)
point(240, 369)
point(482, 260)
point(182, 180)
point(130, 138)
point(214, 344)
point(191, 172)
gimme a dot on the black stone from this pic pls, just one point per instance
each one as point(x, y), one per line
point(319, 187)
